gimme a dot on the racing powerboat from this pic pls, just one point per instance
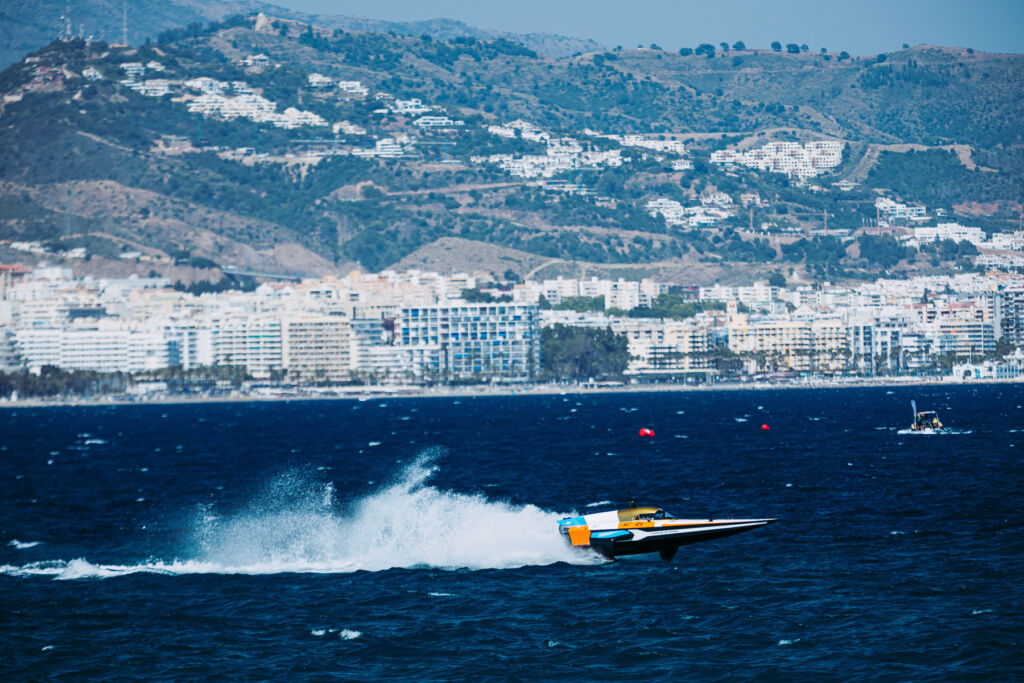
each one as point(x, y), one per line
point(639, 530)
point(924, 420)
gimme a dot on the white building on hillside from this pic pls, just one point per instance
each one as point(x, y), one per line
point(892, 211)
point(353, 88)
point(792, 158)
point(316, 80)
point(947, 231)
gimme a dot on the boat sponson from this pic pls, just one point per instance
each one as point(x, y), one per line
point(620, 547)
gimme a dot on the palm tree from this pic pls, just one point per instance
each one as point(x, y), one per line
point(896, 353)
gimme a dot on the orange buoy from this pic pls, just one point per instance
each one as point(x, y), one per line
point(646, 431)
point(765, 427)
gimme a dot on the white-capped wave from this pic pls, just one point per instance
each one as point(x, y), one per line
point(295, 525)
point(59, 569)
point(22, 545)
point(933, 432)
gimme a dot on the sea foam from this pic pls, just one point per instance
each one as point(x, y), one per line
point(296, 525)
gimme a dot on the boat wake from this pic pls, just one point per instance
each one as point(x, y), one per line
point(295, 526)
point(932, 432)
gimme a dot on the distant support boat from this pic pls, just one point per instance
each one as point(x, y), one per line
point(924, 420)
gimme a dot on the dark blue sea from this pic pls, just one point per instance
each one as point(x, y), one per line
point(416, 539)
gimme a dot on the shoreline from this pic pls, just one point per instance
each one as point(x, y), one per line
point(474, 391)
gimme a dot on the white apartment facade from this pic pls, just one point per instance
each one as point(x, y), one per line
point(475, 340)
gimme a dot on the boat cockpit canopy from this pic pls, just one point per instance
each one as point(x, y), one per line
point(642, 513)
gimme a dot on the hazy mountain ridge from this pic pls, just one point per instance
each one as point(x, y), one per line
point(547, 44)
point(70, 136)
point(28, 25)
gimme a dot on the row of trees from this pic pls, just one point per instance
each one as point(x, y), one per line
point(708, 50)
point(52, 381)
point(671, 306)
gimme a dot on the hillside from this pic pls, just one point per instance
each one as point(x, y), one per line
point(27, 25)
point(112, 164)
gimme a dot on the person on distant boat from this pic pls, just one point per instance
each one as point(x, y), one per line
point(926, 420)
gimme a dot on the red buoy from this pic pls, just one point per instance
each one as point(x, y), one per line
point(765, 427)
point(646, 431)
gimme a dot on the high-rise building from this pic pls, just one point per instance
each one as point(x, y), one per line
point(476, 340)
point(249, 341)
point(316, 347)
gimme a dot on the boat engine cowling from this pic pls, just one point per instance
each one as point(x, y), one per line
point(576, 529)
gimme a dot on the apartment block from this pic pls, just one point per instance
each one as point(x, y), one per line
point(476, 341)
point(665, 347)
point(316, 347)
point(250, 341)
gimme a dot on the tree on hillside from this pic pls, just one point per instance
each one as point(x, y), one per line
point(777, 46)
point(823, 51)
point(792, 48)
point(583, 304)
point(686, 51)
point(476, 296)
point(804, 48)
point(844, 55)
point(705, 49)
point(725, 46)
point(881, 58)
point(883, 250)
point(673, 306)
point(739, 45)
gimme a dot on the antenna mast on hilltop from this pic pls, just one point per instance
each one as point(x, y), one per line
point(124, 22)
point(65, 29)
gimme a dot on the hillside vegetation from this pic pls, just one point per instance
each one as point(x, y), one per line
point(87, 161)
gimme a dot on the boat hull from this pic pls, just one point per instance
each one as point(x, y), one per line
point(666, 541)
